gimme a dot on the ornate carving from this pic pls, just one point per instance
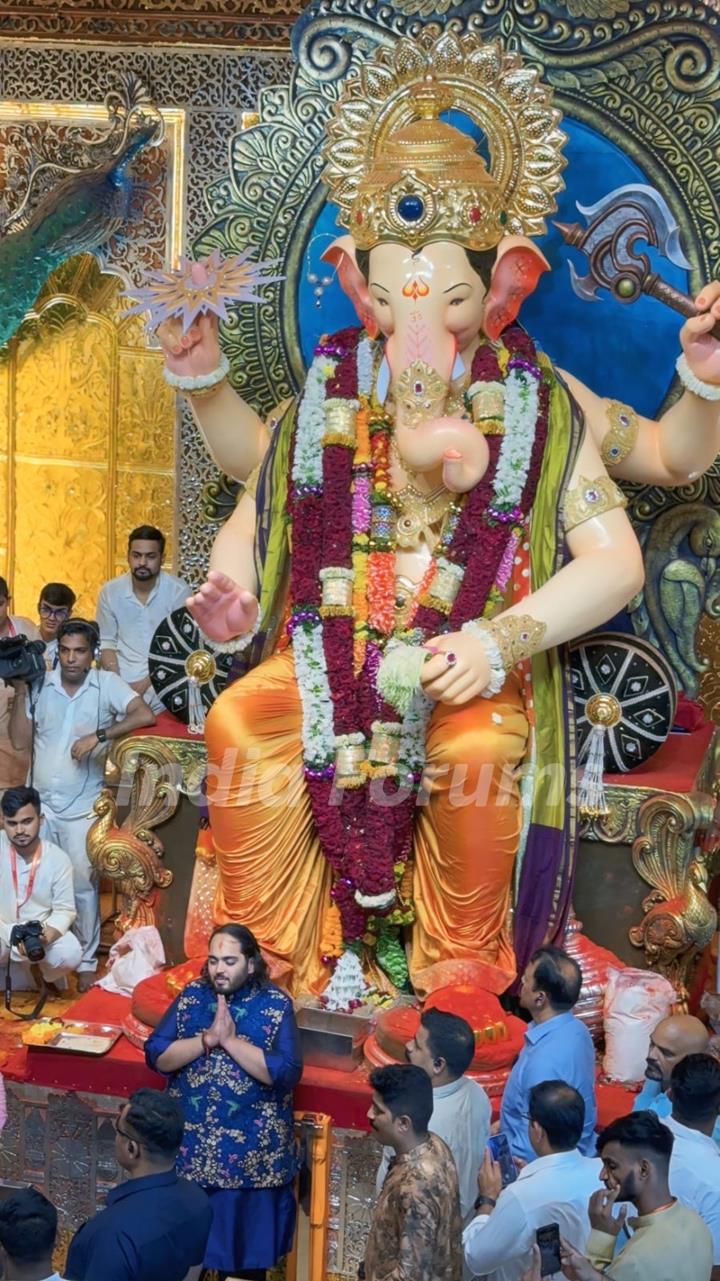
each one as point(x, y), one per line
point(211, 87)
point(262, 22)
point(619, 825)
point(130, 854)
point(177, 763)
point(682, 551)
point(220, 498)
point(679, 921)
point(87, 412)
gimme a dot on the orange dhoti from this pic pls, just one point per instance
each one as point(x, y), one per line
point(273, 876)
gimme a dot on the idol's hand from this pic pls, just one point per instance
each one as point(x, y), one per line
point(702, 351)
point(222, 609)
point(197, 351)
point(458, 669)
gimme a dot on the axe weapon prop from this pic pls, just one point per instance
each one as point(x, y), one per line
point(615, 225)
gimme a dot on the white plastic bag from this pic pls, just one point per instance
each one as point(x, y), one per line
point(137, 955)
point(635, 1002)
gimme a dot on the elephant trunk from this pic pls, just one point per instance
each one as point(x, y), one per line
point(421, 355)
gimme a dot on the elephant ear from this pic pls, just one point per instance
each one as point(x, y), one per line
point(518, 267)
point(341, 255)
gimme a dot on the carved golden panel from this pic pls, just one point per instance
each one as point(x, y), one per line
point(143, 498)
point(146, 405)
point(87, 424)
point(64, 387)
point(60, 529)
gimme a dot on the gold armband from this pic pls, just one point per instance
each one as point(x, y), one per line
point(620, 438)
point(517, 636)
point(590, 498)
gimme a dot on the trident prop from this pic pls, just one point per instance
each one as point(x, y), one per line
point(610, 241)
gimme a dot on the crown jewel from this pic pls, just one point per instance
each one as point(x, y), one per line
point(400, 173)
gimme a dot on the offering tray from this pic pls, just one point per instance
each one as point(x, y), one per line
point(73, 1036)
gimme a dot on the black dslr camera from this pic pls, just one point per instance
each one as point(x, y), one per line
point(21, 659)
point(29, 933)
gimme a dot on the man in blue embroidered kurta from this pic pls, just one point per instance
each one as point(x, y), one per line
point(230, 1045)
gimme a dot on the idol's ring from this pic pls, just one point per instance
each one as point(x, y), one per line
point(451, 659)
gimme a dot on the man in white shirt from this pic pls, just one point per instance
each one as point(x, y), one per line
point(695, 1160)
point(75, 716)
point(444, 1046)
point(55, 606)
point(36, 884)
point(554, 1188)
point(13, 764)
point(28, 1230)
point(130, 609)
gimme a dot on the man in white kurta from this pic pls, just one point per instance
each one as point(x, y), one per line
point(130, 609)
point(444, 1046)
point(77, 713)
point(36, 884)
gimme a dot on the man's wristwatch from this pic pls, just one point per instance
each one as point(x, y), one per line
point(101, 735)
point(485, 1200)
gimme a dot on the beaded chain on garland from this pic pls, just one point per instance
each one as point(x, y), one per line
point(343, 597)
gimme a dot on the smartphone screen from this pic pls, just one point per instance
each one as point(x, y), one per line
point(500, 1149)
point(548, 1239)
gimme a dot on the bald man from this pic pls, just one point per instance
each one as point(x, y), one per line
point(673, 1039)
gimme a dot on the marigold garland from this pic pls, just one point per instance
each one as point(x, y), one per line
point(343, 517)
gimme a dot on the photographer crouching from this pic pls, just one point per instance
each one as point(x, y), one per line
point(69, 724)
point(37, 903)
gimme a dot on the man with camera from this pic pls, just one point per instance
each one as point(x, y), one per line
point(37, 902)
point(14, 765)
point(77, 712)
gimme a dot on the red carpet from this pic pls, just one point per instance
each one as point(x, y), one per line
point(345, 1096)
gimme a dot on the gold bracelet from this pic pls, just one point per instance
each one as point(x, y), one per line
point(621, 436)
point(590, 498)
point(517, 636)
point(201, 393)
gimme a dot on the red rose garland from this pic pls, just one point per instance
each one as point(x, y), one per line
point(362, 837)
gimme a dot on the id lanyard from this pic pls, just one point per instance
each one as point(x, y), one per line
point(31, 882)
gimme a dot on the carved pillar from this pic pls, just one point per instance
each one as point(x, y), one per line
point(679, 921)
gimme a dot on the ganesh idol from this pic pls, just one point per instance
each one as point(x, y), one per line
point(419, 535)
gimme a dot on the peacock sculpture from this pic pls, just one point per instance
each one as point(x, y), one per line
point(88, 204)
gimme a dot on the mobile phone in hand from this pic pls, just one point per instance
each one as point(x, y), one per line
point(548, 1240)
point(500, 1150)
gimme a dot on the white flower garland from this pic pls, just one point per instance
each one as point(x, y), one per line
point(317, 705)
point(365, 366)
point(521, 412)
point(308, 460)
point(411, 756)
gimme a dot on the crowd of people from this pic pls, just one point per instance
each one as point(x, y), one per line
point(210, 1162)
point(55, 733)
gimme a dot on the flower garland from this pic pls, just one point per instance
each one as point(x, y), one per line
point(364, 763)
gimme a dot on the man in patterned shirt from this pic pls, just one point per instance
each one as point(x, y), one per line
point(416, 1227)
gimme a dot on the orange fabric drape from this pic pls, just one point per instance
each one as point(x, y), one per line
point(273, 876)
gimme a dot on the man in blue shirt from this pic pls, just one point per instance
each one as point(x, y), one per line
point(155, 1224)
point(558, 1047)
point(672, 1040)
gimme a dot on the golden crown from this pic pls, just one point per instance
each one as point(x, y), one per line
point(399, 173)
